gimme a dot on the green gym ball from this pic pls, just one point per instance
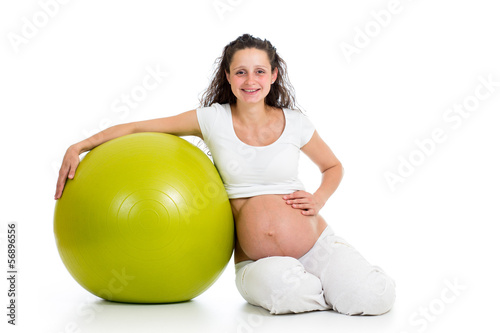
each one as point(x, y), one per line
point(146, 219)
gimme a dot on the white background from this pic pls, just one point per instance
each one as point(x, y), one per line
point(438, 225)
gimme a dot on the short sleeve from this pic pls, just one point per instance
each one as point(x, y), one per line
point(206, 119)
point(307, 130)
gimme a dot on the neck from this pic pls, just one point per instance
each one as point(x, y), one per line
point(251, 114)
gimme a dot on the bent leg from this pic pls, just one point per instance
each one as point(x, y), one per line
point(351, 284)
point(280, 285)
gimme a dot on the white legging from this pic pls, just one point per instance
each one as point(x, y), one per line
point(332, 275)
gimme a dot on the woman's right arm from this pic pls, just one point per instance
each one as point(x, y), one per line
point(182, 124)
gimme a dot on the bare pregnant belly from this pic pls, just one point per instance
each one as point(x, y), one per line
point(266, 226)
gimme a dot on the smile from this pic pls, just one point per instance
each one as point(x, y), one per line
point(250, 91)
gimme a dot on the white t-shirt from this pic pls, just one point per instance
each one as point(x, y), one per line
point(248, 171)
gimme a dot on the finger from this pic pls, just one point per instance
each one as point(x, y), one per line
point(309, 212)
point(71, 173)
point(293, 195)
point(58, 192)
point(61, 181)
point(296, 199)
point(59, 189)
point(302, 201)
point(300, 206)
point(300, 194)
point(306, 207)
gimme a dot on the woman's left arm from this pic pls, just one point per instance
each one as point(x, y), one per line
point(331, 169)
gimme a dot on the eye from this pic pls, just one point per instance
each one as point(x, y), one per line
point(261, 71)
point(240, 72)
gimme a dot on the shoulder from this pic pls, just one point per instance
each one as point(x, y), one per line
point(212, 117)
point(213, 111)
point(300, 124)
point(296, 116)
point(216, 107)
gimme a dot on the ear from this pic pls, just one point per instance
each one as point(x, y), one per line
point(227, 77)
point(275, 74)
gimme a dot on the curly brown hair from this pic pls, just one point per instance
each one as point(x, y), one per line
point(282, 94)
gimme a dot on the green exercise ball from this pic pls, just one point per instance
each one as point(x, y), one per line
point(146, 219)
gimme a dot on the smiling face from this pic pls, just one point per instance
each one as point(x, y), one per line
point(250, 75)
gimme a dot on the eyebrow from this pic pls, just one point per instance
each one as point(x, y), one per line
point(241, 67)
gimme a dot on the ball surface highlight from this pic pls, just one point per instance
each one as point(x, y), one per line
point(146, 219)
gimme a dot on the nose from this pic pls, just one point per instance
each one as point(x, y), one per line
point(250, 78)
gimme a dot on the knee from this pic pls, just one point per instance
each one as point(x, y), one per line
point(297, 291)
point(281, 285)
point(375, 296)
point(271, 272)
point(268, 278)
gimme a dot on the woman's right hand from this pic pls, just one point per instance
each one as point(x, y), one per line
point(68, 168)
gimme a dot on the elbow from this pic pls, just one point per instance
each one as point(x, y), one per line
point(341, 170)
point(132, 128)
point(338, 167)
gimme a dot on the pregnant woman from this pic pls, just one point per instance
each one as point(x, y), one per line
point(287, 258)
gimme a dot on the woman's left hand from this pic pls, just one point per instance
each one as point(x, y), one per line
point(304, 201)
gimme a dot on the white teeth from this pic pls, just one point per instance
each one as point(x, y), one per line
point(250, 90)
